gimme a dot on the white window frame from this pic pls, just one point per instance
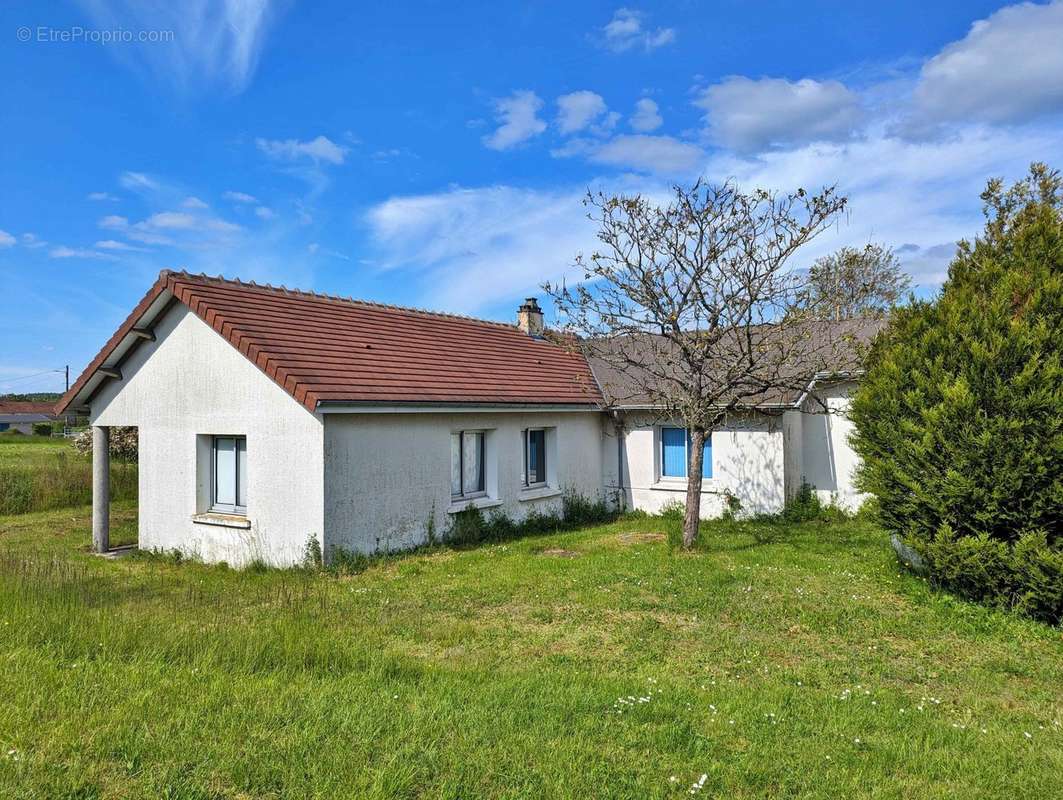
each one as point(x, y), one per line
point(525, 447)
point(482, 491)
point(227, 508)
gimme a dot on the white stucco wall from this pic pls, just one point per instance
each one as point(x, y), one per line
point(191, 383)
point(747, 461)
point(824, 459)
point(388, 474)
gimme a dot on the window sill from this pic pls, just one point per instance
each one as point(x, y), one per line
point(539, 493)
point(475, 502)
point(708, 485)
point(222, 520)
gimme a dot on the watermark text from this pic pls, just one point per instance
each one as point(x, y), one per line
point(78, 35)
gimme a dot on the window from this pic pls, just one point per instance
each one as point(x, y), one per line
point(229, 474)
point(534, 457)
point(467, 464)
point(674, 445)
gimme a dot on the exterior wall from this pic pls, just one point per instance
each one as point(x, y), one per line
point(191, 383)
point(23, 423)
point(20, 425)
point(387, 476)
point(824, 458)
point(747, 462)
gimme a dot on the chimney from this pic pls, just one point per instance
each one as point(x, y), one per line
point(530, 318)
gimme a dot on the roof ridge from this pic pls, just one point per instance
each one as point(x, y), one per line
point(335, 298)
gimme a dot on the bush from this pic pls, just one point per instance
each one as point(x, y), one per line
point(1026, 575)
point(805, 506)
point(959, 420)
point(42, 429)
point(577, 510)
point(123, 444)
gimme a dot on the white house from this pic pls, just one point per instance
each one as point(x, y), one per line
point(270, 419)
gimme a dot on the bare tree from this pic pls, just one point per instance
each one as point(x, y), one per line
point(694, 306)
point(852, 282)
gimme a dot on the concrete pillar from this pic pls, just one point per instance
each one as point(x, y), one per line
point(101, 488)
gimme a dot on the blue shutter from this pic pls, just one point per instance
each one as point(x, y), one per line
point(673, 452)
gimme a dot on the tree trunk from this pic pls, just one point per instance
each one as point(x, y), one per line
point(695, 457)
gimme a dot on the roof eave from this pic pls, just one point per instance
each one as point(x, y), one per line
point(131, 333)
point(458, 406)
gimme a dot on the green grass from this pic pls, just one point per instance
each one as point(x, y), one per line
point(796, 664)
point(20, 450)
point(41, 472)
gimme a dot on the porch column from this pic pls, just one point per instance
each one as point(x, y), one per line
point(101, 488)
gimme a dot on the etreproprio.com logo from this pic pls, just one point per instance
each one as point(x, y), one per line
point(79, 35)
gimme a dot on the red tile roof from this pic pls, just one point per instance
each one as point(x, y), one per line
point(324, 349)
point(26, 407)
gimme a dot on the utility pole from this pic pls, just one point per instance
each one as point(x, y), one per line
point(67, 379)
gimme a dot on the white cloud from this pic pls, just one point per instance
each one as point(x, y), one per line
point(161, 228)
point(194, 202)
point(578, 110)
point(924, 194)
point(212, 42)
point(474, 247)
point(6, 239)
point(749, 115)
point(317, 150)
point(111, 244)
point(170, 220)
point(262, 212)
point(519, 118)
point(240, 197)
point(1008, 68)
point(660, 154)
point(32, 241)
point(137, 181)
point(624, 32)
point(114, 222)
point(646, 117)
point(75, 252)
point(100, 196)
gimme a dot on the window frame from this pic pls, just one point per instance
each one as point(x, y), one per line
point(482, 483)
point(526, 446)
point(236, 509)
point(706, 462)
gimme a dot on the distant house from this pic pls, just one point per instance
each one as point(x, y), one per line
point(270, 418)
point(20, 415)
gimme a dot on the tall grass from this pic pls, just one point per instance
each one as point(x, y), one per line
point(58, 480)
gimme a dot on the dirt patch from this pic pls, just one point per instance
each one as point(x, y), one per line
point(558, 552)
point(640, 538)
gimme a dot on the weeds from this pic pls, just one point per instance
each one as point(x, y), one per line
point(470, 527)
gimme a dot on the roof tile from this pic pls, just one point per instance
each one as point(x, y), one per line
point(322, 348)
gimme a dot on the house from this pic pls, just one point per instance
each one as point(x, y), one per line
point(272, 419)
point(20, 415)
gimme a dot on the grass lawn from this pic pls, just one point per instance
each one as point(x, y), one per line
point(18, 450)
point(804, 666)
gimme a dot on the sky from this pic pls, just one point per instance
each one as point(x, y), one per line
point(435, 154)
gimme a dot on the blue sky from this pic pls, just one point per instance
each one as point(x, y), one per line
point(434, 154)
